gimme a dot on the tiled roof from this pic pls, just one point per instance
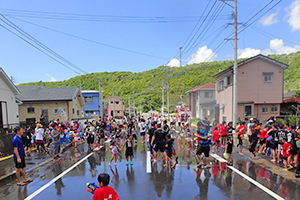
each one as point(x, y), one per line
point(289, 94)
point(292, 100)
point(206, 86)
point(41, 93)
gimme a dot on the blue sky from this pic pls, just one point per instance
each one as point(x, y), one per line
point(138, 35)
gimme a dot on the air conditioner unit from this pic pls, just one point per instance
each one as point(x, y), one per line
point(221, 105)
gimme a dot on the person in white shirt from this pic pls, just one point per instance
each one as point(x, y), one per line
point(142, 127)
point(39, 131)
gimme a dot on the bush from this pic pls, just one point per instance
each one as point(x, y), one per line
point(281, 121)
point(293, 119)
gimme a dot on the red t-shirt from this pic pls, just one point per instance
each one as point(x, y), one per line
point(105, 192)
point(241, 129)
point(216, 135)
point(223, 130)
point(286, 148)
point(263, 133)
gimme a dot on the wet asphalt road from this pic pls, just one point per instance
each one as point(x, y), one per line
point(132, 182)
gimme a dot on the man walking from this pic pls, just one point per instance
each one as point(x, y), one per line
point(19, 156)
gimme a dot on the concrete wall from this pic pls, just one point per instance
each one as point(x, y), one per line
point(118, 107)
point(8, 99)
point(224, 97)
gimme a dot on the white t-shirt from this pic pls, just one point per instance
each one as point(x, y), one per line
point(142, 127)
point(39, 133)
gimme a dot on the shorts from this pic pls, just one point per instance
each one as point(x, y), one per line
point(262, 141)
point(142, 133)
point(169, 153)
point(159, 146)
point(223, 136)
point(285, 158)
point(129, 152)
point(20, 165)
point(134, 136)
point(56, 148)
point(179, 123)
point(204, 150)
point(274, 145)
point(268, 144)
point(294, 151)
point(240, 146)
point(90, 140)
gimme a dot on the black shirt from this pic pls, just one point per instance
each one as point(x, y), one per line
point(169, 145)
point(254, 135)
point(160, 136)
point(151, 133)
point(229, 147)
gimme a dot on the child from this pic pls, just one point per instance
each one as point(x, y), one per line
point(76, 138)
point(241, 131)
point(286, 148)
point(114, 148)
point(228, 149)
point(188, 139)
point(105, 192)
point(216, 139)
point(134, 137)
point(129, 148)
point(169, 146)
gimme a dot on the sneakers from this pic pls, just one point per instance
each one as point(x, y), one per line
point(127, 164)
point(297, 175)
point(131, 163)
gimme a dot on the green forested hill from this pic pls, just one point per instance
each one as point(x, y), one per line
point(147, 85)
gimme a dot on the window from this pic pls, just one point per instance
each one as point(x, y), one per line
point(73, 111)
point(265, 110)
point(89, 112)
point(57, 111)
point(267, 78)
point(220, 85)
point(118, 111)
point(30, 109)
point(77, 112)
point(208, 95)
point(229, 80)
point(88, 99)
point(117, 102)
point(274, 109)
point(111, 102)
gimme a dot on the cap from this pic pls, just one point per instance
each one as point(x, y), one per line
point(251, 119)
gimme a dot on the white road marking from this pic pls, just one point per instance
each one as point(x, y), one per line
point(57, 177)
point(148, 163)
point(257, 184)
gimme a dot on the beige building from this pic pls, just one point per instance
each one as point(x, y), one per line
point(119, 106)
point(201, 101)
point(55, 103)
point(259, 90)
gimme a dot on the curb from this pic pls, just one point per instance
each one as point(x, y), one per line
point(32, 168)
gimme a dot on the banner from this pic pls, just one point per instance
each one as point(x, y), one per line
point(185, 112)
point(109, 113)
point(178, 112)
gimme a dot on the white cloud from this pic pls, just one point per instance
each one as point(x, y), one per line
point(294, 15)
point(269, 20)
point(203, 54)
point(248, 52)
point(174, 63)
point(52, 79)
point(277, 46)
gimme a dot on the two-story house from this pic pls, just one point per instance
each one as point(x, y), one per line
point(54, 103)
point(116, 104)
point(259, 89)
point(9, 112)
point(201, 101)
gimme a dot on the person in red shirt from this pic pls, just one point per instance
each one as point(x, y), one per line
point(223, 130)
point(262, 139)
point(241, 130)
point(216, 139)
point(286, 148)
point(105, 191)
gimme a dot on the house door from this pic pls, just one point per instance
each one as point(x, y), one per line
point(1, 116)
point(248, 112)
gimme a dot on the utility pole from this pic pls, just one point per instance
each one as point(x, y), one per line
point(163, 100)
point(100, 98)
point(80, 86)
point(234, 85)
point(114, 114)
point(133, 105)
point(129, 108)
point(180, 56)
point(168, 91)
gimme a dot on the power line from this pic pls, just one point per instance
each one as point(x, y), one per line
point(91, 41)
point(28, 36)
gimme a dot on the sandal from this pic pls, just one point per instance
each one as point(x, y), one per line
point(28, 181)
point(21, 184)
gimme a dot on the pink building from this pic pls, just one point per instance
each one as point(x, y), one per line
point(201, 101)
point(259, 89)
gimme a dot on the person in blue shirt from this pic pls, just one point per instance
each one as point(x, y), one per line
point(203, 148)
point(19, 156)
